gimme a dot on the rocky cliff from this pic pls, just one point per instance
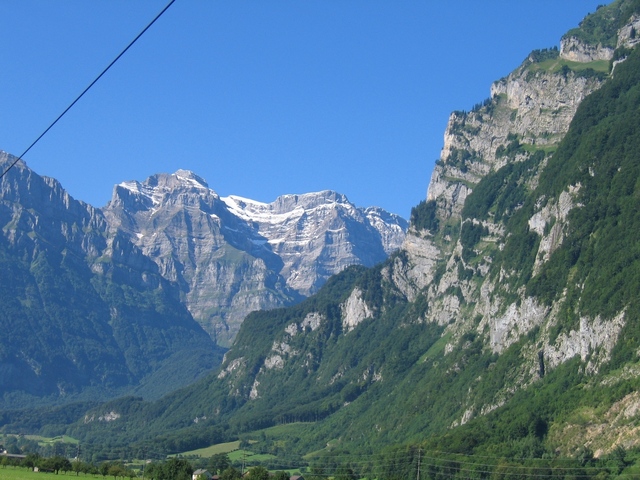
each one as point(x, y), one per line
point(232, 255)
point(492, 175)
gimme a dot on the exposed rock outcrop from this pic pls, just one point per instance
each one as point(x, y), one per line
point(575, 50)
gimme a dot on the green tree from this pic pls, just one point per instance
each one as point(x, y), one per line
point(78, 467)
point(31, 460)
point(316, 472)
point(281, 475)
point(14, 449)
point(424, 216)
point(83, 467)
point(176, 469)
point(153, 471)
point(218, 463)
point(63, 464)
point(45, 464)
point(116, 471)
point(258, 473)
point(618, 460)
point(230, 474)
point(345, 473)
point(55, 464)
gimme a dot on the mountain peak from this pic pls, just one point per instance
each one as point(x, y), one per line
point(286, 204)
point(158, 188)
point(188, 177)
point(179, 180)
point(308, 200)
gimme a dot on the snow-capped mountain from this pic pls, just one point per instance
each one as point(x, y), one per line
point(233, 255)
point(318, 234)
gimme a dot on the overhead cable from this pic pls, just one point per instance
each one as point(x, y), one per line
point(88, 88)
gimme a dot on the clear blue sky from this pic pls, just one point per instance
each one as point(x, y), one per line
point(260, 97)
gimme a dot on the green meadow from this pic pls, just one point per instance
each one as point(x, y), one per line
point(18, 473)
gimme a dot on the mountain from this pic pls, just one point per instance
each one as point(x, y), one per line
point(231, 256)
point(502, 340)
point(505, 331)
point(85, 314)
point(97, 301)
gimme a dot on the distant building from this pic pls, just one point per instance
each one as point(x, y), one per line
point(201, 474)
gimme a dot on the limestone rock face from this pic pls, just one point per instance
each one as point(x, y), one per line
point(233, 255)
point(534, 106)
point(628, 35)
point(319, 234)
point(528, 110)
point(38, 207)
point(530, 107)
point(573, 49)
point(354, 311)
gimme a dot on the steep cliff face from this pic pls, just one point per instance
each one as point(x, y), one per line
point(490, 195)
point(523, 121)
point(601, 33)
point(84, 311)
point(529, 109)
point(232, 255)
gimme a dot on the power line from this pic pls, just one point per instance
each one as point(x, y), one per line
point(88, 88)
point(533, 468)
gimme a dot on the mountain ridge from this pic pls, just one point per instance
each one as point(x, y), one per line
point(116, 318)
point(286, 248)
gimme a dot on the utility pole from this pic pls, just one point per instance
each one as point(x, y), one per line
point(418, 463)
point(144, 454)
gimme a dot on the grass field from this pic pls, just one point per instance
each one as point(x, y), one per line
point(555, 64)
point(15, 473)
point(214, 449)
point(48, 440)
point(249, 456)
